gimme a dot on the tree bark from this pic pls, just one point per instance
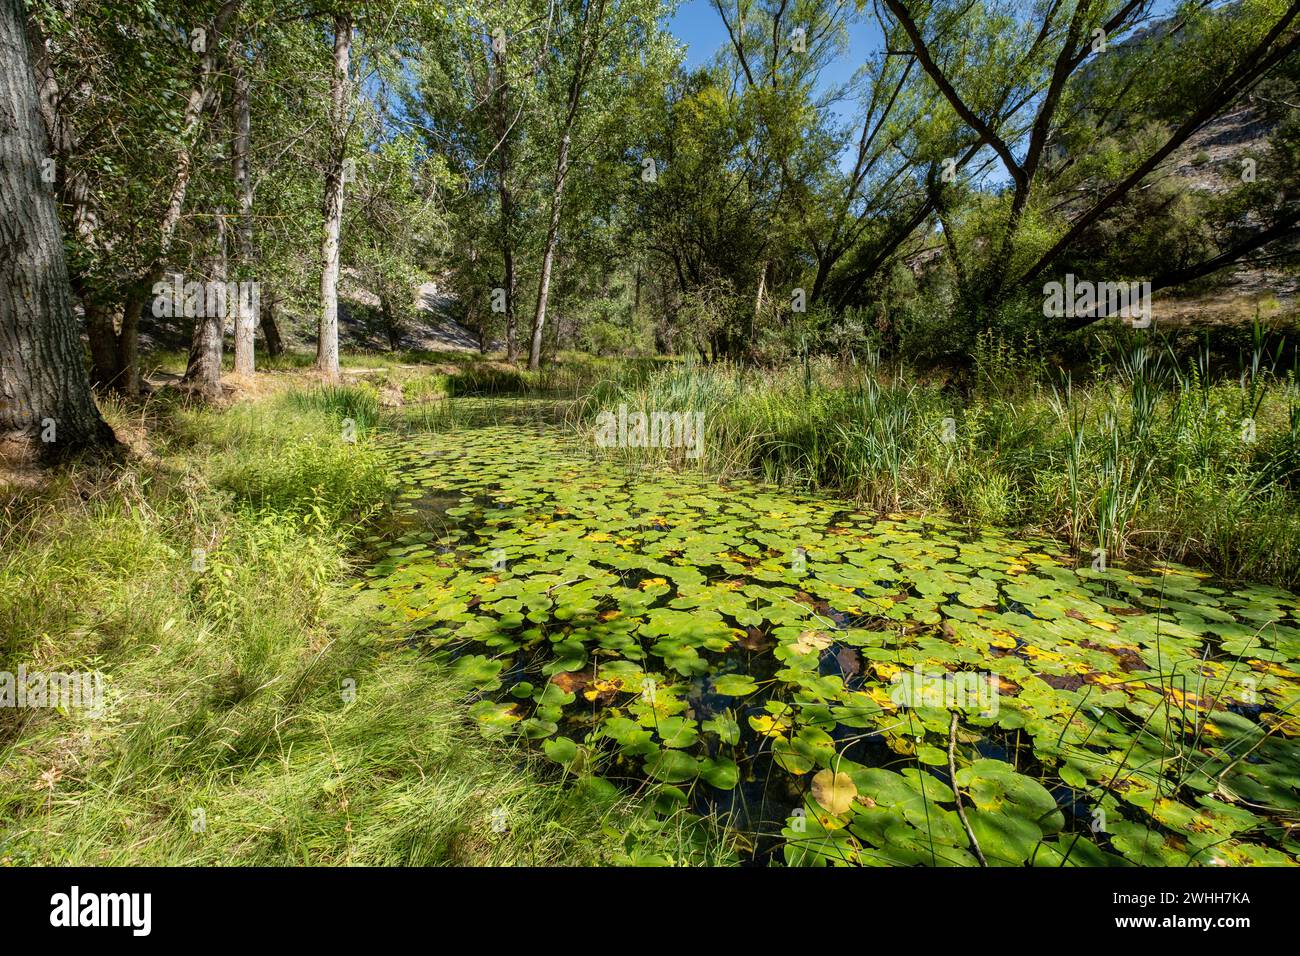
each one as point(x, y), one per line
point(128, 339)
point(73, 191)
point(141, 291)
point(591, 10)
point(203, 372)
point(105, 349)
point(270, 329)
point(327, 342)
point(392, 328)
point(758, 301)
point(506, 199)
point(548, 256)
point(46, 407)
point(245, 319)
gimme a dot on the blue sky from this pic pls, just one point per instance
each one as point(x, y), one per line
point(700, 30)
point(697, 26)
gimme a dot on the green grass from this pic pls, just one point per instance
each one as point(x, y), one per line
point(250, 718)
point(1151, 458)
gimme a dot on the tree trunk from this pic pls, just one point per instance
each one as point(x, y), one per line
point(128, 339)
point(274, 344)
point(73, 191)
point(506, 200)
point(327, 342)
point(548, 257)
point(46, 407)
point(203, 372)
point(577, 83)
point(198, 97)
point(511, 325)
point(391, 327)
point(105, 356)
point(245, 318)
point(141, 291)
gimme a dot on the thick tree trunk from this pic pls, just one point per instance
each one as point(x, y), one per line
point(327, 343)
point(105, 359)
point(128, 339)
point(245, 318)
point(203, 372)
point(46, 407)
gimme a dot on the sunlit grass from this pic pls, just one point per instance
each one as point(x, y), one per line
point(250, 717)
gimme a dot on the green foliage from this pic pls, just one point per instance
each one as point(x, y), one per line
point(674, 628)
point(1149, 460)
point(249, 718)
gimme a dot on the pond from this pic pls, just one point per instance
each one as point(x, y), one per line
point(816, 674)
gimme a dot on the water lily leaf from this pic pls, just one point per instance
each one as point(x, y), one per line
point(834, 791)
point(810, 642)
point(562, 750)
point(725, 726)
point(672, 766)
point(720, 772)
point(480, 671)
point(735, 685)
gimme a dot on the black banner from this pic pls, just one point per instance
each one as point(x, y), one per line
point(338, 905)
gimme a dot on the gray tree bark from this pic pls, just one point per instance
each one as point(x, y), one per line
point(593, 10)
point(245, 318)
point(506, 198)
point(203, 371)
point(46, 407)
point(548, 256)
point(72, 188)
point(327, 342)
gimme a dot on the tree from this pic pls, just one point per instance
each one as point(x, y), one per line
point(46, 407)
point(1064, 79)
point(327, 343)
point(476, 99)
point(245, 319)
point(588, 41)
point(121, 82)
